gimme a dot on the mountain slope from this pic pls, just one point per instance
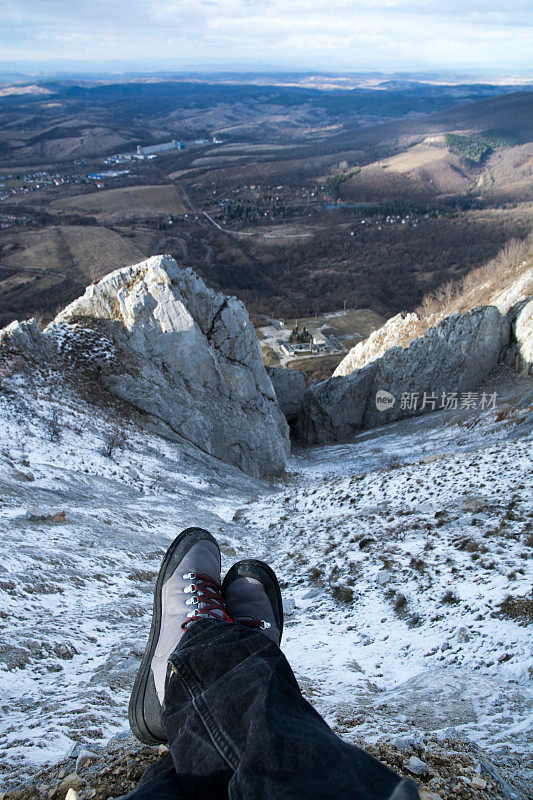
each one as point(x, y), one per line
point(403, 552)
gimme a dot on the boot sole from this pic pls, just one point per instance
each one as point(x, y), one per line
point(136, 717)
point(252, 568)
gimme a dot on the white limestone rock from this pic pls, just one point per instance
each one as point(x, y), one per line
point(454, 356)
point(160, 339)
point(517, 292)
point(334, 409)
point(401, 330)
point(25, 336)
point(398, 331)
point(523, 331)
point(189, 356)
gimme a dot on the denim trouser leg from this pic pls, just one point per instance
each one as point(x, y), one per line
point(239, 727)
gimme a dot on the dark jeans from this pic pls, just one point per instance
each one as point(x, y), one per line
point(238, 727)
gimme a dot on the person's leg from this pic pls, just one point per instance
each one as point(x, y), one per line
point(238, 683)
point(235, 720)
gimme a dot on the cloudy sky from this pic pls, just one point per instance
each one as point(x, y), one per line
point(284, 34)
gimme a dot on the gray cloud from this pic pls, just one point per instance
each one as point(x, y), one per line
point(322, 34)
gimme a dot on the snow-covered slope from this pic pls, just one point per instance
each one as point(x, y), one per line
point(406, 554)
point(75, 592)
point(401, 556)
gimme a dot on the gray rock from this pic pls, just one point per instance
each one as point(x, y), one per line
point(157, 337)
point(289, 606)
point(45, 515)
point(85, 757)
point(454, 356)
point(72, 781)
point(451, 735)
point(77, 748)
point(416, 766)
point(26, 336)
point(487, 768)
point(333, 409)
point(383, 577)
point(402, 744)
point(289, 386)
point(19, 475)
point(398, 331)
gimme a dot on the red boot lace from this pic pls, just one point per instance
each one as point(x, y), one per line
point(209, 596)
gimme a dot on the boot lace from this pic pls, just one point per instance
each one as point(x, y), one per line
point(206, 596)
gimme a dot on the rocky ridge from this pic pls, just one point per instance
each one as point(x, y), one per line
point(403, 329)
point(398, 331)
point(450, 359)
point(157, 337)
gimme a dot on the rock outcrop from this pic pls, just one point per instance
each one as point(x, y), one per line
point(399, 331)
point(454, 356)
point(160, 339)
point(523, 333)
point(289, 385)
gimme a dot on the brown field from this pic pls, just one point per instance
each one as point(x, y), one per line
point(316, 369)
point(114, 204)
point(418, 172)
point(52, 266)
point(421, 155)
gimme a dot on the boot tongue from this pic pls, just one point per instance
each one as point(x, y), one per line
point(207, 562)
point(207, 559)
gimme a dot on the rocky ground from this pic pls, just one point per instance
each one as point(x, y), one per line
point(402, 557)
point(448, 768)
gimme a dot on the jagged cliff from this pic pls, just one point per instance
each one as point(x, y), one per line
point(406, 368)
point(159, 338)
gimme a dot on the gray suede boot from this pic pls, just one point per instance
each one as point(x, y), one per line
point(187, 589)
point(253, 597)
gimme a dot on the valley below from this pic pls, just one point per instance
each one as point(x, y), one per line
point(297, 200)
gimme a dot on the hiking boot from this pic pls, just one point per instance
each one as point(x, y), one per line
point(187, 589)
point(253, 597)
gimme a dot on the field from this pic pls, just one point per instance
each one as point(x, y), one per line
point(316, 369)
point(420, 155)
point(42, 270)
point(110, 205)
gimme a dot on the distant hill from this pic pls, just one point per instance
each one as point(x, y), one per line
point(512, 112)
